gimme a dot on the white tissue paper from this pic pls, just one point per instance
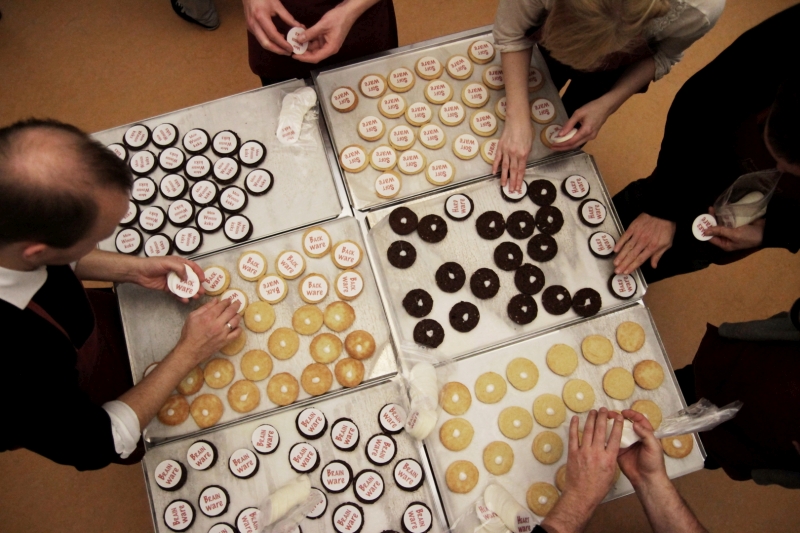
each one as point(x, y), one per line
point(295, 106)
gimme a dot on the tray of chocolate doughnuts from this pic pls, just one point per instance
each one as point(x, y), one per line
point(417, 118)
point(214, 175)
point(474, 267)
point(365, 472)
point(505, 413)
point(312, 323)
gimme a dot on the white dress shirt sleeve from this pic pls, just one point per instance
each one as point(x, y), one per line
point(124, 427)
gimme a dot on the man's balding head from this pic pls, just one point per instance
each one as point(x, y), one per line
point(50, 177)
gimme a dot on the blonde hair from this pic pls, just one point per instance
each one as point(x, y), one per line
point(580, 33)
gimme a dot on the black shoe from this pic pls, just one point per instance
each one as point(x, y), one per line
point(210, 21)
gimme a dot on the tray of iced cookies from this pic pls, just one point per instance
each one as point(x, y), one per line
point(337, 465)
point(505, 414)
point(312, 321)
point(420, 118)
point(473, 267)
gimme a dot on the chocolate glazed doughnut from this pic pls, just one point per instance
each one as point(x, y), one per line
point(508, 256)
point(542, 247)
point(529, 279)
point(428, 333)
point(549, 219)
point(542, 192)
point(586, 302)
point(418, 303)
point(490, 225)
point(401, 254)
point(522, 309)
point(520, 224)
point(432, 228)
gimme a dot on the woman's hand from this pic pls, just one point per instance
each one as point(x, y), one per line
point(513, 150)
point(259, 14)
point(647, 237)
point(326, 37)
point(591, 118)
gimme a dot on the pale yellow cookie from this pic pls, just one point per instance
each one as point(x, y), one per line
point(206, 410)
point(388, 184)
point(219, 373)
point(489, 150)
point(490, 387)
point(419, 113)
point(440, 172)
point(325, 348)
point(475, 95)
point(359, 344)
point(456, 434)
point(252, 265)
point(498, 458)
point(344, 99)
point(236, 345)
point(522, 374)
point(618, 383)
point(459, 67)
point(547, 447)
point(650, 410)
point(243, 396)
point(597, 349)
point(349, 284)
point(648, 374)
point(438, 92)
point(259, 317)
point(371, 128)
point(452, 114)
point(549, 410)
point(353, 158)
point(316, 242)
point(339, 316)
point(481, 52)
point(578, 395)
point(455, 398)
point(313, 288)
point(515, 422)
point(678, 447)
point(402, 137)
point(217, 280)
point(272, 289)
point(372, 85)
point(307, 320)
point(541, 497)
point(461, 477)
point(392, 105)
point(192, 382)
point(543, 111)
point(466, 146)
point(349, 372)
point(483, 123)
point(401, 80)
point(383, 158)
point(428, 68)
point(316, 379)
point(174, 411)
point(283, 389)
point(561, 477)
point(283, 343)
point(493, 77)
point(290, 264)
point(256, 365)
point(411, 162)
point(630, 336)
point(562, 359)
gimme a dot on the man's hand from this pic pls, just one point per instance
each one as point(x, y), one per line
point(259, 14)
point(152, 272)
point(646, 238)
point(644, 460)
point(591, 117)
point(326, 37)
point(207, 329)
point(591, 463)
point(512, 151)
point(741, 238)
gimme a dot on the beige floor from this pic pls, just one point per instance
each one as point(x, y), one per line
point(99, 64)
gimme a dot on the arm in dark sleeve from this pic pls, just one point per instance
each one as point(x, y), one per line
point(782, 229)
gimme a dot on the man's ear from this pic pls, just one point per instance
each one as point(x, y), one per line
point(32, 252)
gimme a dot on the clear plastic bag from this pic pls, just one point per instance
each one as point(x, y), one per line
point(297, 118)
point(283, 510)
point(746, 200)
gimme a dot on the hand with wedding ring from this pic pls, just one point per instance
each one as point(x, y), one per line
point(208, 328)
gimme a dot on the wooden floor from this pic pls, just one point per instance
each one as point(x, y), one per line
point(99, 64)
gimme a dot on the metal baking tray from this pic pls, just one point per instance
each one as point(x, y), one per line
point(526, 470)
point(304, 190)
point(574, 266)
point(153, 321)
point(274, 470)
point(344, 126)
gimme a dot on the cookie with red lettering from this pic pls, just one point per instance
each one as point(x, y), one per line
point(371, 128)
point(348, 285)
point(179, 515)
point(401, 80)
point(388, 184)
point(428, 68)
point(311, 423)
point(316, 379)
point(601, 244)
point(316, 242)
point(353, 158)
point(320, 504)
point(345, 434)
point(170, 475)
point(592, 213)
point(408, 475)
point(392, 105)
point(344, 99)
point(459, 67)
point(336, 476)
point(458, 207)
point(248, 520)
point(346, 254)
point(417, 518)
point(438, 92)
point(213, 501)
point(481, 51)
point(265, 439)
point(303, 458)
point(368, 486)
point(243, 463)
point(348, 518)
point(622, 286)
point(380, 449)
point(575, 186)
point(372, 85)
point(313, 288)
point(392, 418)
point(383, 158)
point(419, 113)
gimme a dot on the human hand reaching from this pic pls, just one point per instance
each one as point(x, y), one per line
point(259, 14)
point(512, 152)
point(591, 118)
point(152, 272)
point(734, 239)
point(644, 460)
point(325, 38)
point(647, 237)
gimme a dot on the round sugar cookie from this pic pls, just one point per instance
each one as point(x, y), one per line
point(648, 374)
point(243, 396)
point(522, 373)
point(428, 68)
point(236, 345)
point(489, 150)
point(419, 113)
point(493, 77)
point(483, 123)
point(678, 447)
point(349, 372)
point(313, 288)
point(252, 265)
point(371, 128)
point(411, 162)
point(259, 317)
point(401, 80)
point(562, 359)
point(466, 146)
point(547, 447)
point(383, 158)
point(174, 411)
point(630, 336)
point(290, 264)
point(218, 373)
point(372, 85)
point(272, 289)
point(402, 137)
point(461, 477)
point(481, 52)
point(490, 387)
point(388, 184)
point(316, 379)
point(543, 111)
point(359, 344)
point(440, 172)
point(432, 136)
point(475, 95)
point(535, 79)
point(597, 349)
point(316, 242)
point(344, 99)
point(498, 458)
point(438, 91)
point(650, 410)
point(618, 383)
point(206, 410)
point(307, 320)
point(578, 395)
point(459, 67)
point(283, 343)
point(561, 477)
point(456, 434)
point(325, 348)
point(192, 382)
point(282, 389)
point(541, 498)
point(549, 410)
point(339, 316)
point(452, 113)
point(455, 398)
point(500, 108)
point(392, 105)
point(237, 298)
point(515, 422)
point(256, 365)
point(353, 159)
point(217, 280)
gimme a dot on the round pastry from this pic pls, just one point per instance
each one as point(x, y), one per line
point(172, 186)
point(325, 348)
point(508, 256)
point(578, 395)
point(180, 213)
point(618, 383)
point(192, 382)
point(217, 280)
point(432, 228)
point(353, 159)
point(196, 141)
point(551, 135)
point(456, 434)
point(466, 146)
point(401, 254)
point(408, 475)
point(392, 105)
point(493, 77)
point(522, 373)
point(339, 316)
point(311, 423)
point(252, 153)
point(219, 373)
point(272, 289)
point(411, 162)
point(359, 344)
point(483, 123)
point(213, 500)
point(459, 67)
point(601, 244)
point(243, 396)
point(700, 224)
point(440, 172)
point(630, 336)
point(307, 320)
point(401, 137)
point(498, 458)
point(649, 409)
point(490, 387)
point(316, 242)
point(562, 359)
point(380, 449)
point(143, 190)
point(461, 477)
point(225, 170)
point(371, 128)
point(542, 192)
point(248, 520)
point(428, 333)
point(489, 150)
point(198, 167)
point(418, 303)
point(450, 277)
point(648, 374)
point(438, 92)
point(174, 411)
point(475, 95)
point(303, 458)
point(236, 345)
point(141, 163)
point(236, 297)
point(529, 279)
point(313, 288)
point(383, 158)
point(549, 410)
point(336, 477)
point(232, 199)
point(344, 99)
point(515, 422)
point(256, 365)
point(490, 225)
point(252, 265)
point(622, 286)
point(346, 254)
point(347, 518)
point(500, 108)
point(455, 398)
point(243, 463)
point(549, 219)
point(419, 113)
point(401, 80)
point(392, 418)
point(372, 85)
point(597, 349)
point(171, 159)
point(320, 507)
point(290, 264)
point(481, 51)
point(388, 184)
point(187, 240)
point(586, 302)
point(458, 207)
point(547, 447)
point(202, 455)
point(349, 372)
point(403, 220)
point(131, 215)
point(225, 143)
point(417, 518)
point(179, 515)
point(543, 111)
point(282, 389)
point(452, 114)
point(484, 283)
point(541, 497)
point(592, 213)
point(206, 410)
point(464, 316)
point(556, 300)
point(513, 197)
point(259, 181)
point(136, 136)
point(522, 309)
point(349, 284)
point(428, 68)
point(119, 150)
point(209, 219)
point(575, 186)
point(678, 447)
point(238, 228)
point(345, 434)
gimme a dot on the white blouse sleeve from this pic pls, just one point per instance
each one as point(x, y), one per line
point(124, 427)
point(515, 17)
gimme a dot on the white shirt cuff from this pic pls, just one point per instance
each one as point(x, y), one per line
point(124, 427)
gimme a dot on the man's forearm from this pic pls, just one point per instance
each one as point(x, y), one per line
point(570, 514)
point(666, 511)
point(98, 265)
